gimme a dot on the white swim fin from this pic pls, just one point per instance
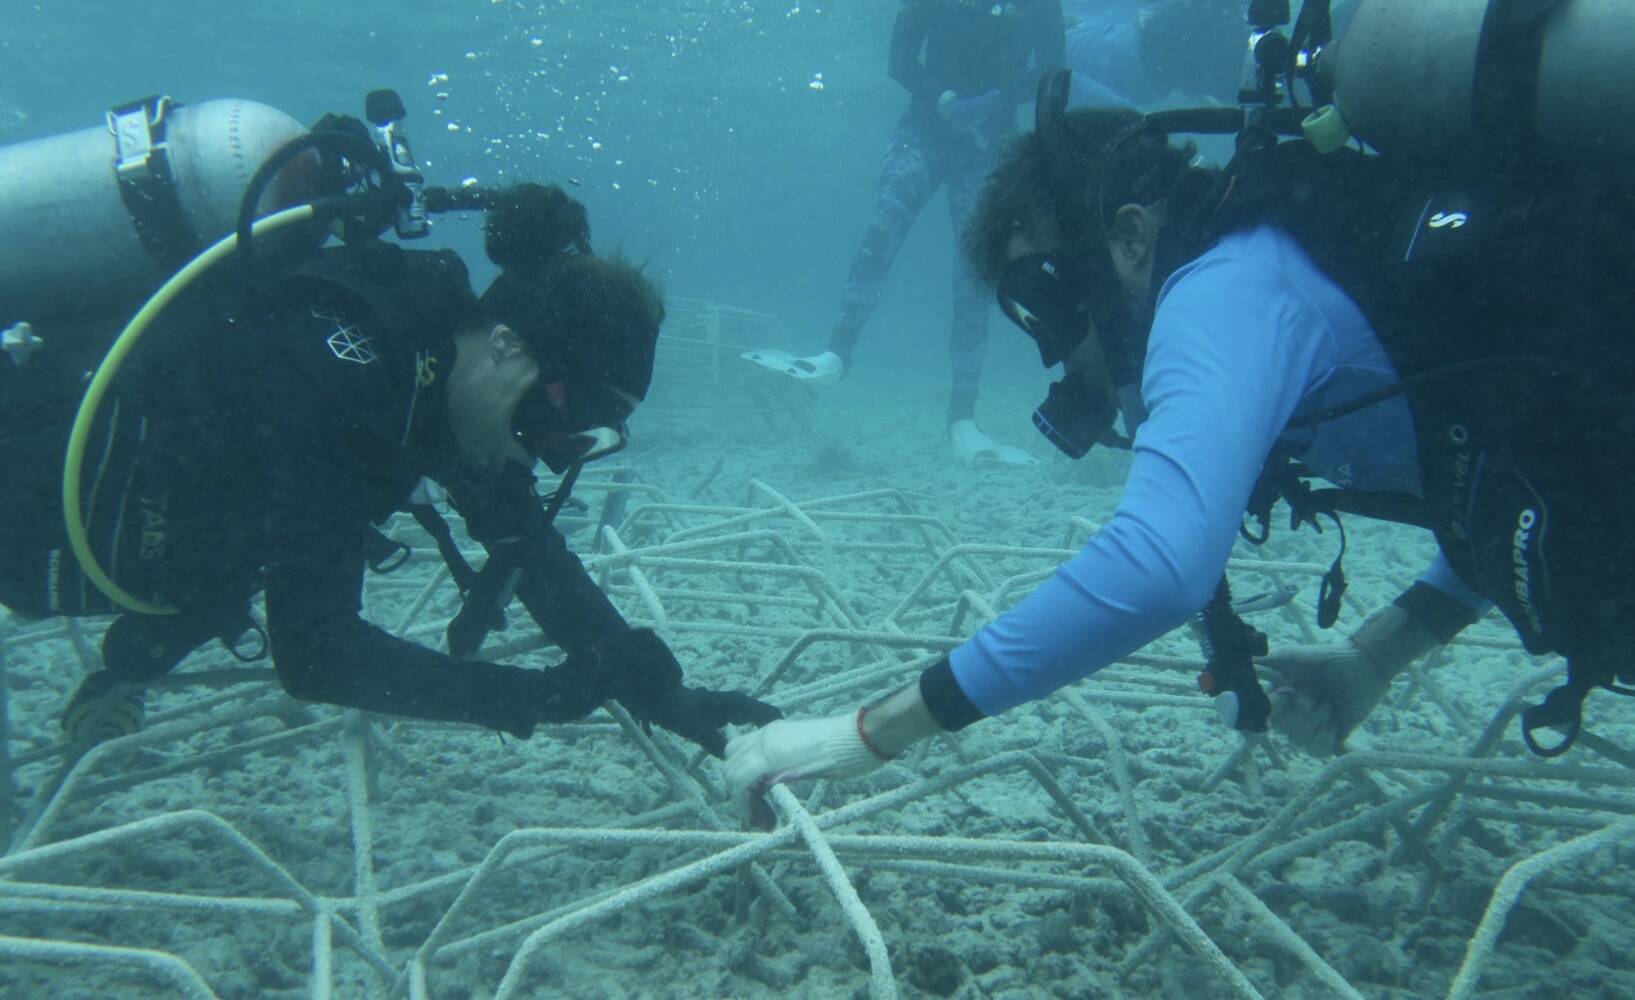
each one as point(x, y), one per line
point(974, 447)
point(819, 369)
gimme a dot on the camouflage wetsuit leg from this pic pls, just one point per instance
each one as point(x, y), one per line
point(909, 175)
point(969, 337)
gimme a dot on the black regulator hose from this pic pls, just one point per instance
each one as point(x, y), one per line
point(467, 199)
point(358, 147)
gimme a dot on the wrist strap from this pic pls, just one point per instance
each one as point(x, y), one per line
point(862, 710)
point(1436, 612)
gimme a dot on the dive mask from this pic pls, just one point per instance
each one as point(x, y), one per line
point(563, 426)
point(1044, 294)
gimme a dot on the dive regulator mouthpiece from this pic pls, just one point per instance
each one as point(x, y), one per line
point(385, 111)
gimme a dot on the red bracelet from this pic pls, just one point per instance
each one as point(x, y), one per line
point(861, 711)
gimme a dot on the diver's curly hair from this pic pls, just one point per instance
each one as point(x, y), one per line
point(1020, 196)
point(529, 225)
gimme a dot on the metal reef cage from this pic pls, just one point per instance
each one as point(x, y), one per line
point(700, 375)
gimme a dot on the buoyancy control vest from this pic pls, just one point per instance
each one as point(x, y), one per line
point(401, 310)
point(1497, 296)
point(416, 301)
point(418, 298)
point(395, 310)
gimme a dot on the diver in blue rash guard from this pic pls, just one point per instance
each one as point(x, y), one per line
point(1219, 387)
point(1243, 352)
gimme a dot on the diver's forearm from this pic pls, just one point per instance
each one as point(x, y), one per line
point(899, 720)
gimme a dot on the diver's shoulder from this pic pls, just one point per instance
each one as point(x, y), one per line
point(319, 362)
point(1241, 263)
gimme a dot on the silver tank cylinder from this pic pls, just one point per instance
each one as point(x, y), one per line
point(70, 247)
point(1405, 77)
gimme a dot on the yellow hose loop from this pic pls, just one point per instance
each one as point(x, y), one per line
point(86, 417)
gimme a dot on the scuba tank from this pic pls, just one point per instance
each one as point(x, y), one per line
point(1440, 80)
point(216, 193)
point(96, 219)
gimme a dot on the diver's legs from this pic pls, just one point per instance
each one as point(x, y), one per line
point(907, 180)
point(969, 336)
point(136, 649)
point(968, 339)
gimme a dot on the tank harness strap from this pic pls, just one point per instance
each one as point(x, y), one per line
point(147, 184)
point(563, 497)
point(1507, 69)
point(1230, 646)
point(429, 519)
point(1564, 706)
point(247, 641)
point(483, 610)
point(1281, 478)
point(383, 554)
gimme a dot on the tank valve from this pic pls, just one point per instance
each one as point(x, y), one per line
point(385, 112)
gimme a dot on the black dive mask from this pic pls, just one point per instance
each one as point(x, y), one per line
point(563, 425)
point(1075, 415)
point(1046, 296)
point(1049, 297)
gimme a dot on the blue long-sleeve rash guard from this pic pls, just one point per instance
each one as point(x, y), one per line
point(1245, 338)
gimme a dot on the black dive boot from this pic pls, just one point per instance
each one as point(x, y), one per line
point(136, 649)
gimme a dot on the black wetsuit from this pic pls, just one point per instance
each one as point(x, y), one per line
point(262, 465)
point(970, 49)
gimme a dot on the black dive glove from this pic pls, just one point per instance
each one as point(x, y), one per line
point(646, 680)
point(633, 667)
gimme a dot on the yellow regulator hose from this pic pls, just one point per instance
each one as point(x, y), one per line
point(86, 417)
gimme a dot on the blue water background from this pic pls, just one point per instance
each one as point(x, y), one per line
point(733, 144)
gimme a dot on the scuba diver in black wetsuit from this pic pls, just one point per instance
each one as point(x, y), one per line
point(966, 66)
point(255, 454)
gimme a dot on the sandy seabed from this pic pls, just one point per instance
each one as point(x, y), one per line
point(1342, 879)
